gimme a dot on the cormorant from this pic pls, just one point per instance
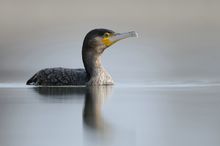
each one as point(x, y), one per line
point(94, 44)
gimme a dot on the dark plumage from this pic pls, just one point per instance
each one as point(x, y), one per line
point(59, 76)
point(95, 42)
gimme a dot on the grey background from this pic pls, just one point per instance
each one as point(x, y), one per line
point(179, 39)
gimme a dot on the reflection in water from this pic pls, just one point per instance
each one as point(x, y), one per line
point(94, 98)
point(136, 116)
point(60, 94)
point(96, 130)
point(59, 91)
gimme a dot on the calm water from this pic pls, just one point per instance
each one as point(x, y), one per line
point(110, 116)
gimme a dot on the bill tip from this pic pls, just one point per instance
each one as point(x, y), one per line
point(134, 34)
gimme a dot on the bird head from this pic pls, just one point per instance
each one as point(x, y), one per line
point(98, 40)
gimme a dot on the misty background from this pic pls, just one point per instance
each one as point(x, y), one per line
point(179, 39)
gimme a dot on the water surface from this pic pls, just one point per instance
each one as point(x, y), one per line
point(110, 115)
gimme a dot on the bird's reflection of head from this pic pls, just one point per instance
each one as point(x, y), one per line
point(95, 97)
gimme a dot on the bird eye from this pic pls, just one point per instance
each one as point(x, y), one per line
point(106, 35)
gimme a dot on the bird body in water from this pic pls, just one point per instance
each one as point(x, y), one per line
point(94, 44)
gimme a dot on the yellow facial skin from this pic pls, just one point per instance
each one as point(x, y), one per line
point(106, 39)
